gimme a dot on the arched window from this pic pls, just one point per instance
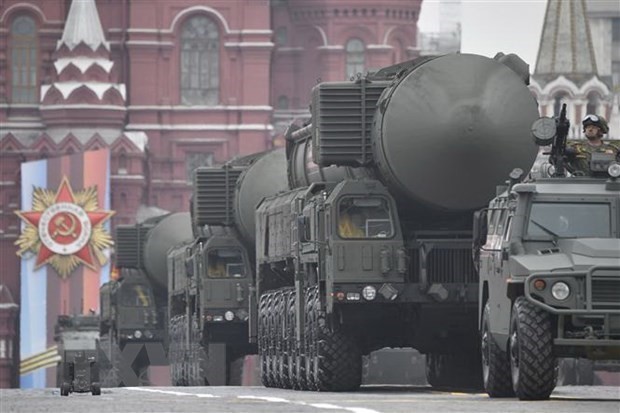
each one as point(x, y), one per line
point(200, 74)
point(355, 57)
point(594, 101)
point(24, 60)
point(558, 100)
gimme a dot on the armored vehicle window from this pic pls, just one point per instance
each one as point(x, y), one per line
point(135, 296)
point(225, 263)
point(365, 218)
point(569, 220)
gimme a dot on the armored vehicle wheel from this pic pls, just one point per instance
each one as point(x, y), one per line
point(65, 389)
point(95, 389)
point(495, 363)
point(531, 351)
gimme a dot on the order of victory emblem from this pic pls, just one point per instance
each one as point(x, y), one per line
point(65, 229)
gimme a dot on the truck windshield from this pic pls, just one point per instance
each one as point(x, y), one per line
point(225, 263)
point(569, 220)
point(365, 218)
point(135, 296)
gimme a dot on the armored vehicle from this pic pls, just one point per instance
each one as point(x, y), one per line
point(548, 255)
point(78, 369)
point(370, 246)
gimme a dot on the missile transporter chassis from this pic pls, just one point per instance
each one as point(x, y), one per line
point(355, 292)
point(134, 308)
point(208, 300)
point(130, 320)
point(548, 254)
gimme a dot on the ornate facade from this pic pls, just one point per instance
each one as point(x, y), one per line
point(169, 85)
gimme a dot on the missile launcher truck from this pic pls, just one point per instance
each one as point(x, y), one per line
point(381, 255)
point(134, 307)
point(548, 255)
point(211, 277)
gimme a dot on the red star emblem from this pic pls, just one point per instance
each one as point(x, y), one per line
point(65, 227)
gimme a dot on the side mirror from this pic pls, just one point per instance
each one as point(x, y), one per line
point(302, 228)
point(189, 267)
point(480, 228)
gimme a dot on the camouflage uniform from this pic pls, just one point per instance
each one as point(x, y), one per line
point(580, 153)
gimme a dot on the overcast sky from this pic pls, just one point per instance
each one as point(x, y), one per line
point(491, 26)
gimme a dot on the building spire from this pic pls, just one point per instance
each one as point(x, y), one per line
point(83, 26)
point(566, 43)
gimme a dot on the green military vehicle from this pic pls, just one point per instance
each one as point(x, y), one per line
point(208, 306)
point(129, 316)
point(134, 308)
point(371, 246)
point(548, 254)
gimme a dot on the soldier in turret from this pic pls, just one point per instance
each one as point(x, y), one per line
point(580, 152)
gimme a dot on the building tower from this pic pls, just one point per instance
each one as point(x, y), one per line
point(566, 67)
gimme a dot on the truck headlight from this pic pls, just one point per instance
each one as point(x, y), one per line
point(369, 292)
point(229, 316)
point(614, 169)
point(560, 291)
point(137, 334)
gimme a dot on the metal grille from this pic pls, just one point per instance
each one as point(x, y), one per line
point(342, 118)
point(605, 293)
point(445, 265)
point(130, 241)
point(214, 191)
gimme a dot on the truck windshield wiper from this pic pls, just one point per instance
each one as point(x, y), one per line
point(547, 230)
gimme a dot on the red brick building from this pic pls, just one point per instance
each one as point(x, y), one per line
point(169, 85)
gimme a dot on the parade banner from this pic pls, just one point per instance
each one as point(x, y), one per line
point(64, 248)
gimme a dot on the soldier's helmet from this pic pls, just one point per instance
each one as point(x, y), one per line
point(595, 120)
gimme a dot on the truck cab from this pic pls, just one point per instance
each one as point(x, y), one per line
point(128, 308)
point(548, 256)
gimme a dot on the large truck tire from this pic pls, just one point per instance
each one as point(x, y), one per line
point(531, 351)
point(496, 372)
point(278, 337)
point(338, 359)
point(197, 374)
point(262, 337)
point(288, 339)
